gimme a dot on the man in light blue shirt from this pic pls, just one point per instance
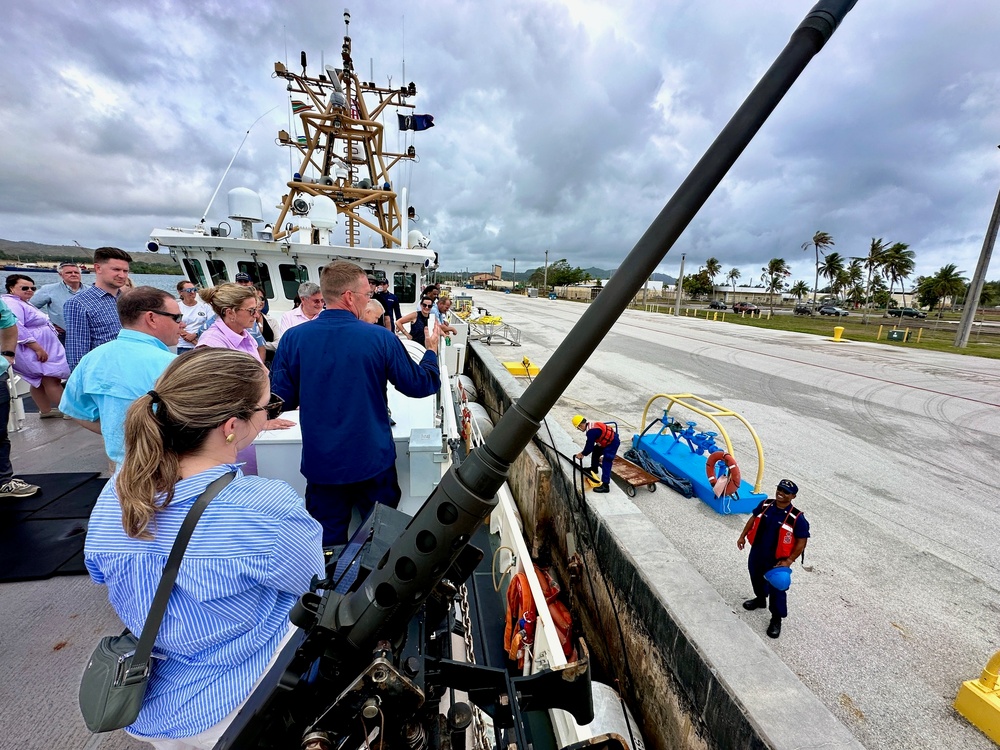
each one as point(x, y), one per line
point(51, 297)
point(10, 486)
point(109, 378)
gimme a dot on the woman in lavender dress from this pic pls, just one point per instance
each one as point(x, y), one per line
point(40, 359)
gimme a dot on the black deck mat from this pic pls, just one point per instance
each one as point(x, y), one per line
point(43, 536)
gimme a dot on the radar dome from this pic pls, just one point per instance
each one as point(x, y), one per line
point(244, 205)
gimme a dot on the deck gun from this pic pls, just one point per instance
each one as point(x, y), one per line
point(365, 669)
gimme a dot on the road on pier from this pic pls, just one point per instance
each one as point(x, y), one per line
point(895, 453)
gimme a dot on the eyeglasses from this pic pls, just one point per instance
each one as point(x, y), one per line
point(426, 307)
point(26, 288)
point(251, 310)
point(273, 408)
point(188, 291)
point(369, 294)
point(178, 317)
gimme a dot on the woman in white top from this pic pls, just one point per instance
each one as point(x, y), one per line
point(195, 312)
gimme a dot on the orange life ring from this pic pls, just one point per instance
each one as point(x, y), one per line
point(732, 471)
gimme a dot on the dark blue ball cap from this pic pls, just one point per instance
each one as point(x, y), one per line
point(787, 485)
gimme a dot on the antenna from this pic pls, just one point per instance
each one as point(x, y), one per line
point(224, 174)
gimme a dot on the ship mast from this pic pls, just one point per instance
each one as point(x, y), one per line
point(344, 143)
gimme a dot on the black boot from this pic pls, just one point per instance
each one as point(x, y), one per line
point(602, 488)
point(751, 604)
point(774, 629)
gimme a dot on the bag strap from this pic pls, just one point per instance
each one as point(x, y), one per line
point(159, 606)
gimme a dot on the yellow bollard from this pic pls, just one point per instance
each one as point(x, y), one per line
point(838, 331)
point(878, 336)
point(979, 700)
point(919, 333)
point(715, 316)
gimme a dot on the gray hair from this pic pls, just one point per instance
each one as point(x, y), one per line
point(308, 289)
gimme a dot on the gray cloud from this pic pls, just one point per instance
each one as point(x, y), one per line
point(560, 125)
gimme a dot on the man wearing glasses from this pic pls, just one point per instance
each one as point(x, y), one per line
point(108, 379)
point(52, 297)
point(336, 370)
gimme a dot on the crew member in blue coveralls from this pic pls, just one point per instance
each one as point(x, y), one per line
point(602, 446)
point(335, 369)
point(778, 533)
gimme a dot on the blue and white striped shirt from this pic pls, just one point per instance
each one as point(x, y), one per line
point(251, 556)
point(91, 320)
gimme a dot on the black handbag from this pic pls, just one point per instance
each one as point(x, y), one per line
point(114, 683)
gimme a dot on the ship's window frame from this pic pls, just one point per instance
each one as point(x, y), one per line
point(194, 271)
point(404, 286)
point(218, 271)
point(259, 273)
point(291, 277)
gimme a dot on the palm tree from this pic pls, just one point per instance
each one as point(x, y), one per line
point(713, 268)
point(898, 265)
point(731, 277)
point(831, 268)
point(947, 282)
point(799, 289)
point(773, 276)
point(819, 240)
point(876, 256)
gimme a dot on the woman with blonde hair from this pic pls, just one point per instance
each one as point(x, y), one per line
point(254, 550)
point(236, 310)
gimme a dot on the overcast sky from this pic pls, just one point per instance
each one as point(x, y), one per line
point(560, 124)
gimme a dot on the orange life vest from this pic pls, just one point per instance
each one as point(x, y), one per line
point(786, 536)
point(519, 631)
point(607, 436)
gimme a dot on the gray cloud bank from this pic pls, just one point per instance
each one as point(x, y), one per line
point(559, 125)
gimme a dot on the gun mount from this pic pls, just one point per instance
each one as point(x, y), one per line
point(362, 654)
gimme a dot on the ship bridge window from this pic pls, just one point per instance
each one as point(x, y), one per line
point(217, 270)
point(259, 274)
point(194, 271)
point(291, 276)
point(404, 286)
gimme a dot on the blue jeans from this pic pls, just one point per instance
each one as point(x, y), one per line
point(6, 470)
point(332, 504)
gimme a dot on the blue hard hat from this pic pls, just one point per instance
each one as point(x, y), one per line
point(780, 577)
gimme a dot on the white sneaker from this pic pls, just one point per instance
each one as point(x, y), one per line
point(18, 488)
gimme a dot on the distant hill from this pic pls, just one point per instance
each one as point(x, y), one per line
point(34, 251)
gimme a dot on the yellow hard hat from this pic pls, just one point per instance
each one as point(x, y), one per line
point(578, 420)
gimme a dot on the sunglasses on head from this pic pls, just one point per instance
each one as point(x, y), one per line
point(273, 408)
point(178, 317)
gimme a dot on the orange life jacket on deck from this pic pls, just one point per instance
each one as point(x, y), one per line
point(607, 435)
point(519, 631)
point(786, 535)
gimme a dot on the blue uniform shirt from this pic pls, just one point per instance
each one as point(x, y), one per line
point(109, 379)
point(252, 554)
point(335, 369)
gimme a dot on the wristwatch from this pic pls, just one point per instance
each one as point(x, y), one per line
point(7, 354)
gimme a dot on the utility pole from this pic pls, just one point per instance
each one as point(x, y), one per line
point(978, 279)
point(513, 287)
point(680, 287)
point(545, 276)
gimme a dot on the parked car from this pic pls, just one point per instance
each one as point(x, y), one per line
point(745, 307)
point(717, 304)
point(803, 310)
point(906, 312)
point(833, 310)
